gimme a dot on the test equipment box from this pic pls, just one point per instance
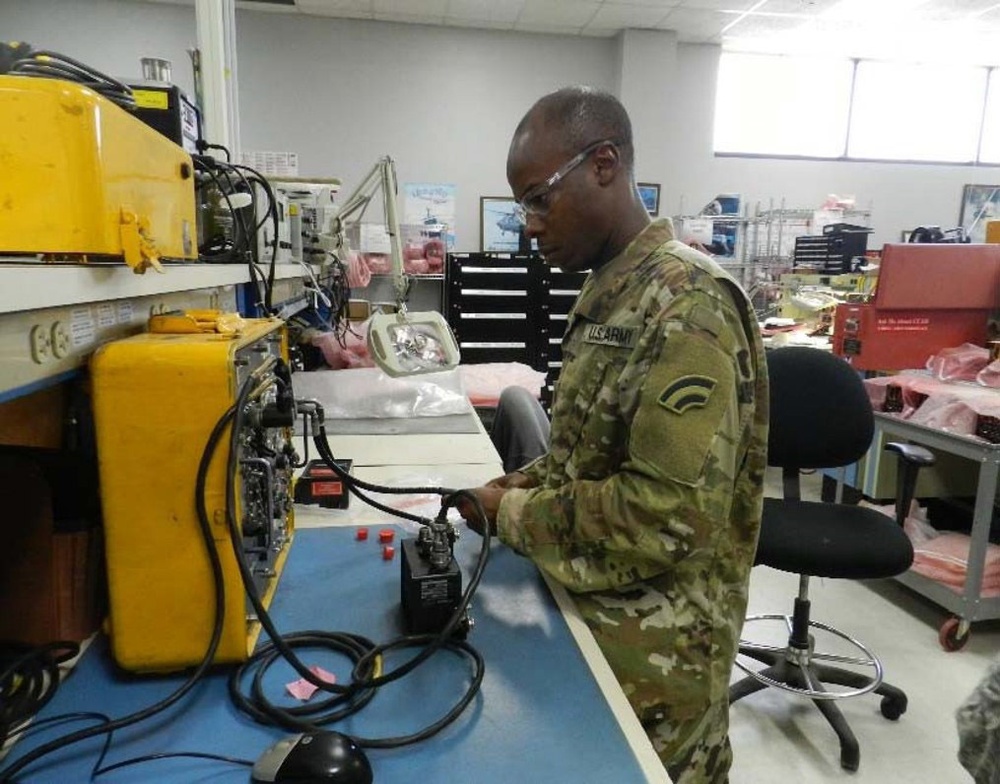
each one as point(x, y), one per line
point(84, 180)
point(157, 397)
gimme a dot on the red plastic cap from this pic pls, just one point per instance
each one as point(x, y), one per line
point(385, 535)
point(362, 534)
point(388, 551)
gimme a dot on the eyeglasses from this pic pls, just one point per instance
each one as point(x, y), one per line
point(536, 200)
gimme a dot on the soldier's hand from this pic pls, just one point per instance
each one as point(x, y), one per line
point(511, 481)
point(489, 498)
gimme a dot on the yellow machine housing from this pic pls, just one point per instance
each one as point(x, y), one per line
point(157, 398)
point(82, 177)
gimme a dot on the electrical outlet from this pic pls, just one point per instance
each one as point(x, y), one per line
point(41, 344)
point(61, 340)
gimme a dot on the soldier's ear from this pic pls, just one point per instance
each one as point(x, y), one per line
point(607, 163)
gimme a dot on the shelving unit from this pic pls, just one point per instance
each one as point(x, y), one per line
point(53, 316)
point(765, 244)
point(423, 295)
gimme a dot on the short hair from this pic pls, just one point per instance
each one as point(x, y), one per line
point(581, 116)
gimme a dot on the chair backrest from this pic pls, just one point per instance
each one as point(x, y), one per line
point(820, 413)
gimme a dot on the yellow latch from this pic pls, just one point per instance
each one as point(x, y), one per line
point(137, 246)
point(198, 321)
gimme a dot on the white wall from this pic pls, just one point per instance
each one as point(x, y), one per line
point(109, 35)
point(444, 102)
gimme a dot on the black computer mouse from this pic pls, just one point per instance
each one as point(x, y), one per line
point(322, 757)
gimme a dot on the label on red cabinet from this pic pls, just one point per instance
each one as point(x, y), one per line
point(910, 324)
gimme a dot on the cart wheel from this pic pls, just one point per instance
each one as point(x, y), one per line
point(950, 637)
point(892, 708)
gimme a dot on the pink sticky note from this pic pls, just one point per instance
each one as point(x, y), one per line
point(303, 689)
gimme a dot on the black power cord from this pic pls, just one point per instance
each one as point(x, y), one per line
point(29, 677)
point(8, 773)
point(365, 677)
point(367, 657)
point(53, 65)
point(229, 178)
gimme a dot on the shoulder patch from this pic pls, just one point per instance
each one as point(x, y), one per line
point(687, 392)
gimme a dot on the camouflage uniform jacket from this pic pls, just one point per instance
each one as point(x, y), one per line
point(979, 729)
point(648, 502)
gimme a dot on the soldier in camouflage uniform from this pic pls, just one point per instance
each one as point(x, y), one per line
point(648, 502)
point(979, 729)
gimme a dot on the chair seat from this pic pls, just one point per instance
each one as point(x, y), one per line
point(831, 540)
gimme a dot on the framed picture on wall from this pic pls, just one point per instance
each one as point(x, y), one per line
point(499, 228)
point(980, 203)
point(649, 192)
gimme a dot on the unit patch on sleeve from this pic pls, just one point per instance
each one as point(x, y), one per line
point(687, 392)
point(610, 335)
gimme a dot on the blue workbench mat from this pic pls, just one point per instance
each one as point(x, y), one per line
point(540, 716)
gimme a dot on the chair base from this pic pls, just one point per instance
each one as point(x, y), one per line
point(800, 670)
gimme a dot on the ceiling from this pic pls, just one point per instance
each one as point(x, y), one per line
point(926, 30)
point(695, 21)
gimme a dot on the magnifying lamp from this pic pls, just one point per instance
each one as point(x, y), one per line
point(401, 343)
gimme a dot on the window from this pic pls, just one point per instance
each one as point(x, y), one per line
point(782, 105)
point(989, 152)
point(916, 112)
point(785, 105)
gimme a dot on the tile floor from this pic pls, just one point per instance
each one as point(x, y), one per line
point(778, 737)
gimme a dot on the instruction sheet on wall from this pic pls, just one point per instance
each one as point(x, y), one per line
point(272, 164)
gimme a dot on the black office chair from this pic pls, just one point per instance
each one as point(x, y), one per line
point(821, 418)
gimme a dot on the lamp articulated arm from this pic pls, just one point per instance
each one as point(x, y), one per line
point(402, 343)
point(382, 176)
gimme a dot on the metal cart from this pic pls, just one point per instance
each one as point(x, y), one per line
point(967, 606)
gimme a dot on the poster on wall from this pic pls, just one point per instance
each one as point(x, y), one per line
point(431, 208)
point(499, 227)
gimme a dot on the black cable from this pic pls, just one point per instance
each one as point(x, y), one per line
point(363, 680)
point(239, 228)
point(43, 725)
point(7, 774)
point(203, 145)
point(171, 754)
point(366, 656)
point(355, 485)
point(273, 210)
point(53, 65)
point(29, 677)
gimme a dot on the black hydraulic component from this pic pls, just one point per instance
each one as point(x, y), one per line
point(431, 581)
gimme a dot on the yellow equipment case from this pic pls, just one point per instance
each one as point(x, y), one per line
point(157, 397)
point(80, 177)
